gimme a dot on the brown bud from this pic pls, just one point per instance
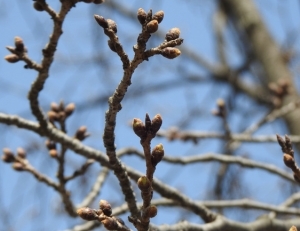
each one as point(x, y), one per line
point(54, 107)
point(141, 15)
point(159, 16)
point(81, 133)
point(149, 212)
point(157, 154)
point(152, 26)
point(172, 34)
point(111, 45)
point(19, 44)
point(139, 128)
point(112, 25)
point(110, 223)
point(53, 153)
point(87, 214)
point(99, 1)
point(38, 6)
point(52, 116)
point(105, 207)
point(156, 123)
point(8, 156)
point(12, 58)
point(18, 166)
point(21, 153)
point(69, 109)
point(143, 183)
point(101, 21)
point(170, 52)
point(288, 160)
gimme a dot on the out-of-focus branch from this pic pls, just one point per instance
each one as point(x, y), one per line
point(248, 21)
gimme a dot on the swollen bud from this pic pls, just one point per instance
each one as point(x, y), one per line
point(21, 153)
point(139, 128)
point(170, 52)
point(69, 109)
point(288, 160)
point(143, 183)
point(152, 26)
point(157, 154)
point(101, 21)
point(105, 207)
point(81, 133)
point(12, 58)
point(156, 123)
point(141, 15)
point(19, 44)
point(18, 166)
point(112, 25)
point(172, 34)
point(87, 214)
point(38, 6)
point(159, 16)
point(8, 156)
point(149, 212)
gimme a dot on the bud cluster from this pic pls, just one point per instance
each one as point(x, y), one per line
point(150, 21)
point(17, 161)
point(150, 127)
point(288, 156)
point(103, 214)
point(58, 113)
point(16, 51)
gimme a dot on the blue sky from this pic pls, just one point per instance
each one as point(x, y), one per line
point(85, 69)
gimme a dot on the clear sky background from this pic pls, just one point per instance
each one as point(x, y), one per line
point(86, 72)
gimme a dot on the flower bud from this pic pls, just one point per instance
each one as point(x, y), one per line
point(21, 153)
point(143, 183)
point(7, 156)
point(139, 128)
point(54, 107)
point(101, 21)
point(81, 133)
point(87, 214)
point(105, 207)
point(53, 153)
point(12, 58)
point(52, 116)
point(159, 16)
point(50, 144)
point(170, 52)
point(172, 34)
point(141, 15)
point(38, 6)
point(156, 123)
point(69, 109)
point(112, 25)
point(152, 26)
point(18, 166)
point(19, 44)
point(110, 223)
point(288, 160)
point(149, 212)
point(157, 154)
